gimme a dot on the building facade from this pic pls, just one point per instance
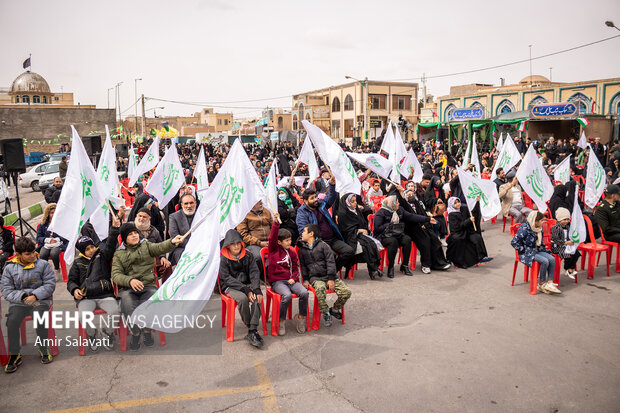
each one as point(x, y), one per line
point(339, 110)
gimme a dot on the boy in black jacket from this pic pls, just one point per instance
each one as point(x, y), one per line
point(240, 279)
point(90, 284)
point(318, 267)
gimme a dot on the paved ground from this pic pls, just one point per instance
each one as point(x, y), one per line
point(456, 341)
point(27, 197)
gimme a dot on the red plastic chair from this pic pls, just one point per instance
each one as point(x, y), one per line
point(534, 269)
point(512, 222)
point(527, 201)
point(82, 334)
point(229, 305)
point(274, 299)
point(383, 252)
point(51, 333)
point(593, 248)
point(613, 245)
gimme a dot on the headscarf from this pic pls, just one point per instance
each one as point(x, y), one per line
point(287, 201)
point(451, 202)
point(531, 219)
point(348, 202)
point(389, 204)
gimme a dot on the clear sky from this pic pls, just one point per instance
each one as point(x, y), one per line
point(222, 51)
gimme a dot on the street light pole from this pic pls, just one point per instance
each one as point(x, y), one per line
point(118, 100)
point(609, 23)
point(110, 88)
point(364, 83)
point(135, 99)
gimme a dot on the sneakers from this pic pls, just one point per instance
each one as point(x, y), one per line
point(300, 324)
point(571, 274)
point(486, 259)
point(254, 338)
point(552, 288)
point(282, 328)
point(335, 313)
point(134, 344)
point(108, 342)
point(327, 319)
point(93, 343)
point(14, 362)
point(147, 339)
point(426, 270)
point(46, 356)
point(540, 288)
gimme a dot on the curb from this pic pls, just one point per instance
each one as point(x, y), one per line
point(28, 213)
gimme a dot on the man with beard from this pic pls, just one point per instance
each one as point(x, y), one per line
point(501, 177)
point(423, 236)
point(180, 223)
point(151, 234)
point(254, 230)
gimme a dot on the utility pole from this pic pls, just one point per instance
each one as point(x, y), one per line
point(531, 66)
point(110, 88)
point(143, 118)
point(366, 112)
point(423, 90)
point(135, 99)
point(551, 73)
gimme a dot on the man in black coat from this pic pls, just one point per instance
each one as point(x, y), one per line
point(52, 194)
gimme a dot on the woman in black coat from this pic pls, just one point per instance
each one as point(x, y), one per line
point(353, 226)
point(559, 199)
point(465, 244)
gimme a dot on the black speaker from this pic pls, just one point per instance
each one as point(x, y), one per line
point(92, 144)
point(13, 151)
point(122, 150)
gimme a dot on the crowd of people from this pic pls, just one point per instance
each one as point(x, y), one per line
point(313, 243)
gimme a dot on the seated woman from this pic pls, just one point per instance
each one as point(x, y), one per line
point(353, 226)
point(287, 208)
point(50, 245)
point(465, 244)
point(562, 245)
point(558, 199)
point(390, 230)
point(6, 245)
point(529, 245)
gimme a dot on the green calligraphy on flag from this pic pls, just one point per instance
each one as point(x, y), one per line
point(170, 175)
point(189, 267)
point(536, 182)
point(475, 191)
point(229, 194)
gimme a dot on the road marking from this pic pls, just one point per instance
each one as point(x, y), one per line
point(268, 396)
point(270, 402)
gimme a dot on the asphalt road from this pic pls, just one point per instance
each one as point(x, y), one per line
point(27, 197)
point(455, 341)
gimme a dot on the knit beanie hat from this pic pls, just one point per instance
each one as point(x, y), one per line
point(562, 213)
point(146, 211)
point(126, 229)
point(83, 243)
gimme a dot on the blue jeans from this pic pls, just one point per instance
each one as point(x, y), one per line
point(547, 265)
point(286, 292)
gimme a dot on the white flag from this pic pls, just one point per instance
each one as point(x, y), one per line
point(534, 180)
point(132, 163)
point(500, 142)
point(397, 154)
point(473, 187)
point(299, 181)
point(108, 180)
point(336, 159)
point(271, 191)
point(235, 189)
point(167, 179)
point(467, 154)
point(583, 142)
point(414, 165)
point(373, 161)
point(474, 156)
point(404, 166)
point(595, 180)
point(187, 290)
point(508, 157)
point(201, 175)
point(562, 171)
point(577, 231)
point(148, 162)
point(80, 197)
point(306, 156)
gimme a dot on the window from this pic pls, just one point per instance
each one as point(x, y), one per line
point(44, 99)
point(51, 169)
point(26, 99)
point(219, 121)
point(447, 113)
point(582, 102)
point(225, 121)
point(308, 116)
point(476, 105)
point(336, 105)
point(505, 106)
point(348, 103)
point(280, 122)
point(614, 105)
point(538, 100)
point(16, 99)
point(56, 98)
point(301, 111)
point(377, 101)
point(401, 102)
point(335, 129)
point(294, 122)
point(36, 99)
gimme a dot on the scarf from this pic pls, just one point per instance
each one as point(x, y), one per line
point(451, 202)
point(531, 219)
point(348, 202)
point(287, 201)
point(389, 204)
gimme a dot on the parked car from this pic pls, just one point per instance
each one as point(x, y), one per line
point(57, 157)
point(5, 200)
point(32, 176)
point(47, 179)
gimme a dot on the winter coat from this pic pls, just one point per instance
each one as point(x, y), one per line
point(96, 268)
point(283, 264)
point(288, 215)
point(136, 262)
point(306, 216)
point(383, 218)
point(608, 217)
point(525, 244)
point(7, 241)
point(43, 233)
point(239, 273)
point(255, 227)
point(52, 194)
point(19, 281)
point(558, 238)
point(317, 261)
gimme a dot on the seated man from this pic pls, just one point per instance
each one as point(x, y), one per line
point(608, 213)
point(511, 196)
point(90, 284)
point(27, 284)
point(151, 234)
point(180, 223)
point(239, 278)
point(254, 230)
point(318, 268)
point(133, 272)
point(52, 194)
point(316, 211)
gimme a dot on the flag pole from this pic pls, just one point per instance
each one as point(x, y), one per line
point(272, 208)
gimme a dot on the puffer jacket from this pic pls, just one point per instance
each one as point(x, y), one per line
point(239, 273)
point(255, 227)
point(306, 216)
point(137, 262)
point(525, 244)
point(19, 281)
point(317, 261)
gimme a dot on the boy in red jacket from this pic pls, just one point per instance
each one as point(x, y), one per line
point(283, 275)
